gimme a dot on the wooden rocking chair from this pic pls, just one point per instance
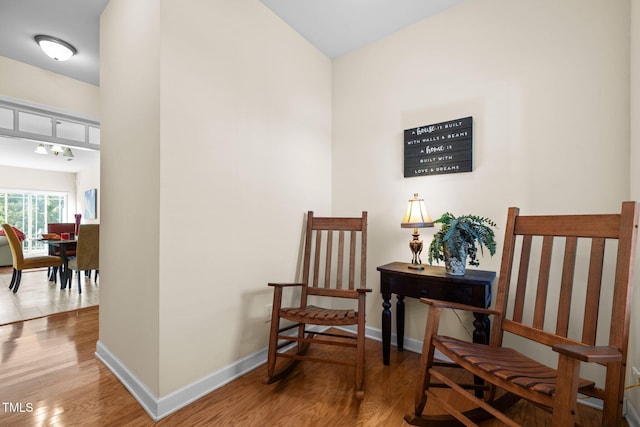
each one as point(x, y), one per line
point(325, 274)
point(544, 314)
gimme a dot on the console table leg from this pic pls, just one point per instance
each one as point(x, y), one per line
point(481, 328)
point(386, 328)
point(480, 335)
point(400, 321)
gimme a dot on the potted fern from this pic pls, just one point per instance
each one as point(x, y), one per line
point(460, 238)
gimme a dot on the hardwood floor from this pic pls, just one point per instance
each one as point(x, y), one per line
point(50, 376)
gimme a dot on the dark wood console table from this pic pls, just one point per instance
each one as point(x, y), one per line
point(474, 288)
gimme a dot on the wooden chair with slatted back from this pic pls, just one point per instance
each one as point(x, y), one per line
point(334, 267)
point(576, 309)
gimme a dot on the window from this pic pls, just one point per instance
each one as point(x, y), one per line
point(6, 118)
point(31, 212)
point(34, 123)
point(41, 124)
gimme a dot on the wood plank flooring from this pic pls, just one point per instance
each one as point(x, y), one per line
point(49, 372)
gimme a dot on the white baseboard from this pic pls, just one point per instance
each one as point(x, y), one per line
point(409, 344)
point(139, 391)
point(376, 335)
point(158, 408)
point(633, 414)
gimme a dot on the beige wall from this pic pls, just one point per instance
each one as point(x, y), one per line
point(227, 121)
point(245, 151)
point(634, 160)
point(86, 180)
point(12, 178)
point(548, 89)
point(130, 203)
point(259, 114)
point(32, 84)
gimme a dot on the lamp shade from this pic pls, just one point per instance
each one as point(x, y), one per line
point(416, 215)
point(55, 48)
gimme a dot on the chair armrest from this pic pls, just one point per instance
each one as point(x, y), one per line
point(457, 306)
point(597, 354)
point(284, 285)
point(363, 290)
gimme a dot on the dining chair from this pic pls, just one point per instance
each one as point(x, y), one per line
point(334, 267)
point(62, 227)
point(21, 263)
point(87, 252)
point(58, 228)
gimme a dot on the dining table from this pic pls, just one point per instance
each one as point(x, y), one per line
point(64, 245)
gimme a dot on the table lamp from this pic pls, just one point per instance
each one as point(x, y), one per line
point(416, 217)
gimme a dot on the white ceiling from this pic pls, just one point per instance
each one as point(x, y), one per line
point(335, 27)
point(340, 26)
point(21, 153)
point(75, 21)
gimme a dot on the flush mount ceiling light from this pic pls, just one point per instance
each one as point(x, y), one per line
point(55, 48)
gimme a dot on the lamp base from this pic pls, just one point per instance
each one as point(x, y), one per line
point(416, 248)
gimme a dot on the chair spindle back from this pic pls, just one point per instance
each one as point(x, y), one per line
point(579, 276)
point(335, 256)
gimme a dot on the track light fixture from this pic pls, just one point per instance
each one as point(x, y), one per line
point(55, 150)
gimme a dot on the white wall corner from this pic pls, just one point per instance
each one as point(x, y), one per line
point(138, 390)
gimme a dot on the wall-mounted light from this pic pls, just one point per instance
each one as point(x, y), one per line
point(55, 48)
point(41, 149)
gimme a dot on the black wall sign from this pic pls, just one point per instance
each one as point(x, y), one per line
point(440, 148)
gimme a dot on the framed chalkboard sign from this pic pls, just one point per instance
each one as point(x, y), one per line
point(439, 148)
